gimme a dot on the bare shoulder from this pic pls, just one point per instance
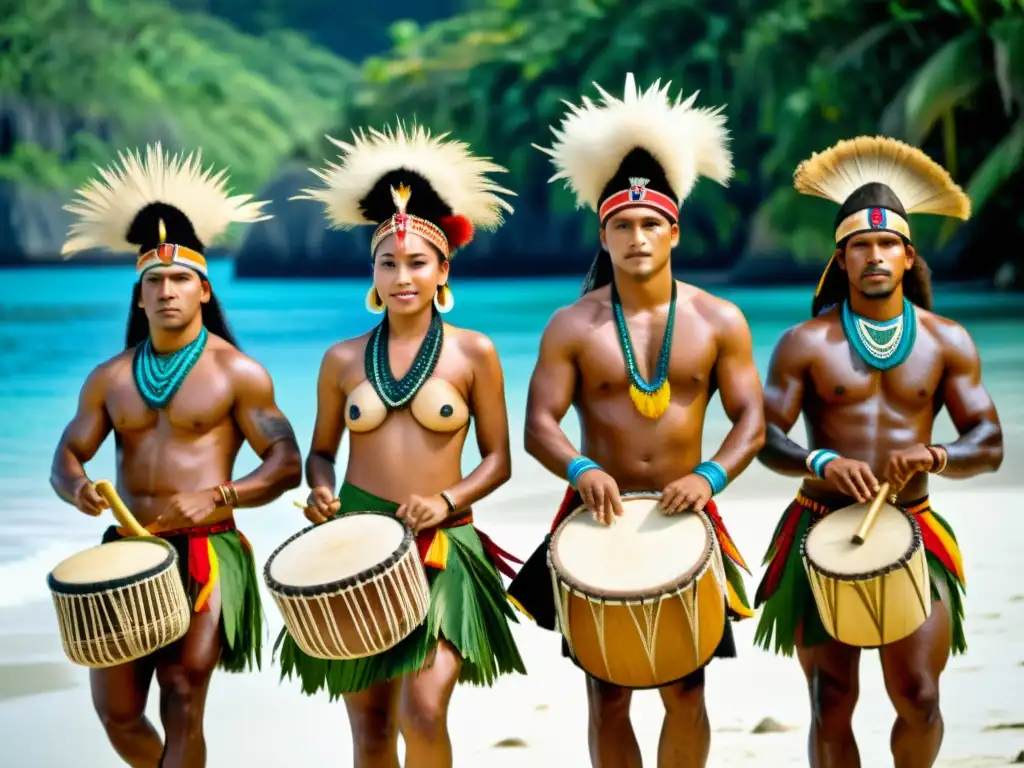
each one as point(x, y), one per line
point(801, 343)
point(723, 315)
point(956, 343)
point(104, 375)
point(342, 356)
point(574, 321)
point(476, 346)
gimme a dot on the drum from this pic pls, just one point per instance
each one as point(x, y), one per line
point(642, 602)
point(874, 593)
point(119, 601)
point(351, 587)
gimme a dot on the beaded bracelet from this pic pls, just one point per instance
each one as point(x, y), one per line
point(715, 474)
point(817, 461)
point(228, 494)
point(939, 459)
point(577, 467)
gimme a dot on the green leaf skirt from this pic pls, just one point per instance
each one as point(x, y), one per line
point(785, 596)
point(468, 608)
point(221, 555)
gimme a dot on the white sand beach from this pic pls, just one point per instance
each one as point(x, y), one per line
point(540, 719)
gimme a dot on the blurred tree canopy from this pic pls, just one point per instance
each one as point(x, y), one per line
point(795, 76)
point(81, 79)
point(246, 83)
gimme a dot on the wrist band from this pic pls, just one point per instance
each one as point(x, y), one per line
point(939, 459)
point(577, 467)
point(819, 459)
point(449, 502)
point(228, 494)
point(714, 473)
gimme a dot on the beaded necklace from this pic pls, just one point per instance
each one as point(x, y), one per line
point(396, 393)
point(882, 345)
point(650, 399)
point(158, 377)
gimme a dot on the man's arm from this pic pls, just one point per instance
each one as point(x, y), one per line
point(330, 423)
point(740, 389)
point(783, 401)
point(82, 437)
point(487, 398)
point(268, 432)
point(979, 448)
point(552, 385)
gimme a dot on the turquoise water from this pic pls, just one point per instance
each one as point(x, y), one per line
point(57, 324)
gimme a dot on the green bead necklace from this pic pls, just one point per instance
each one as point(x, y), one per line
point(650, 399)
point(396, 393)
point(158, 377)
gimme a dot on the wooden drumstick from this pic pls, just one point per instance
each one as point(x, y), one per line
point(106, 489)
point(304, 507)
point(870, 516)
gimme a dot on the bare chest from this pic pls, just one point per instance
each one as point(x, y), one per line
point(452, 366)
point(605, 367)
point(203, 402)
point(840, 377)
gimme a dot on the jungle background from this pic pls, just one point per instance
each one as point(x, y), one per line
point(257, 85)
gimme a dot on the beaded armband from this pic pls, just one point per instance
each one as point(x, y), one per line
point(817, 461)
point(715, 474)
point(577, 467)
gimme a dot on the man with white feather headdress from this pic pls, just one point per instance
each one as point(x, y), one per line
point(639, 355)
point(870, 372)
point(180, 399)
point(410, 392)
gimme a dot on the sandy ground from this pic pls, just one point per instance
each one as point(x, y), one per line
point(255, 720)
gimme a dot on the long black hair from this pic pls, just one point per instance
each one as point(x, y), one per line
point(835, 288)
point(138, 324)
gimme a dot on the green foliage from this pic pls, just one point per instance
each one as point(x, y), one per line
point(137, 70)
point(796, 76)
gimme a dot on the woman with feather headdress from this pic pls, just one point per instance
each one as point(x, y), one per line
point(180, 399)
point(640, 355)
point(408, 392)
point(870, 372)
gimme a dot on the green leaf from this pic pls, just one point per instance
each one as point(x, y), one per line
point(1008, 39)
point(952, 74)
point(1000, 164)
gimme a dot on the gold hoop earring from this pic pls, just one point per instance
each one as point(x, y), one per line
point(374, 303)
point(444, 299)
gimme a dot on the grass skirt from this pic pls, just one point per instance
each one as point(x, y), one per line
point(220, 554)
point(468, 608)
point(785, 593)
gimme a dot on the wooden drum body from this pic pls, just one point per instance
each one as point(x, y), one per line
point(642, 602)
point(351, 587)
point(869, 594)
point(119, 601)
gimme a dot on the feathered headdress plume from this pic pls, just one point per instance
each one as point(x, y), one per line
point(174, 189)
point(875, 177)
point(406, 179)
point(593, 140)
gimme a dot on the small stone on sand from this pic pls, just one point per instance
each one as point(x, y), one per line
point(512, 741)
point(1019, 759)
point(771, 725)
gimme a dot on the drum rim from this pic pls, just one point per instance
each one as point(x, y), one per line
point(654, 593)
point(287, 590)
point(92, 587)
point(916, 543)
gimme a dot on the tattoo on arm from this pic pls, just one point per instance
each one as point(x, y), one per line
point(274, 427)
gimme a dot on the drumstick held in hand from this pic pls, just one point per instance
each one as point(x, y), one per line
point(303, 506)
point(870, 516)
point(124, 516)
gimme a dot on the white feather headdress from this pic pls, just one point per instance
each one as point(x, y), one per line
point(457, 176)
point(921, 184)
point(592, 140)
point(106, 207)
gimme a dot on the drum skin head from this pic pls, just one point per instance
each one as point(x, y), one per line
point(828, 544)
point(338, 550)
point(112, 562)
point(642, 553)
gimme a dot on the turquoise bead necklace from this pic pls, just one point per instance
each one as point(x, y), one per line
point(650, 399)
point(158, 377)
point(881, 344)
